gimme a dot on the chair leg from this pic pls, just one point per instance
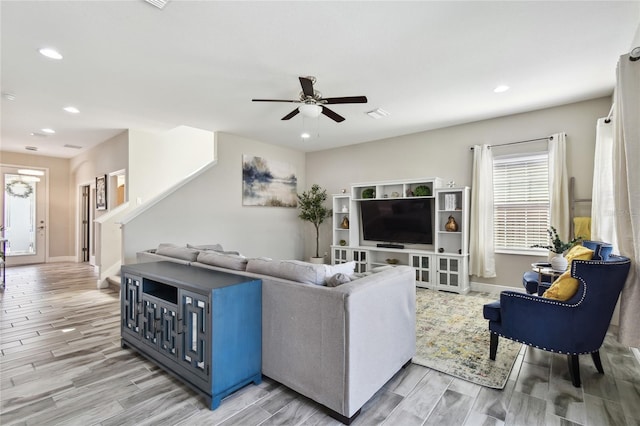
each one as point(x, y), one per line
point(574, 370)
point(596, 360)
point(493, 346)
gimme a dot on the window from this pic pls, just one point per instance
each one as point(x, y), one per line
point(521, 202)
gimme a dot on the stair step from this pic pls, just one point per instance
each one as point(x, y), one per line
point(114, 280)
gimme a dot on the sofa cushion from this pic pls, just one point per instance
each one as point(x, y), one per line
point(293, 270)
point(223, 260)
point(347, 268)
point(183, 253)
point(338, 279)
point(214, 247)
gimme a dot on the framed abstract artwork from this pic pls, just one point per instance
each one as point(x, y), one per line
point(268, 183)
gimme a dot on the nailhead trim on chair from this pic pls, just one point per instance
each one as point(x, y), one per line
point(544, 349)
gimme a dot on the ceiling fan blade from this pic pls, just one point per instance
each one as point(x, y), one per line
point(273, 100)
point(332, 115)
point(291, 114)
point(345, 100)
point(307, 86)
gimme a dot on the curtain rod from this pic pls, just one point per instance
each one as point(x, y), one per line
point(514, 143)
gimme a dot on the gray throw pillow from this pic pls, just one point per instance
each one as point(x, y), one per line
point(338, 279)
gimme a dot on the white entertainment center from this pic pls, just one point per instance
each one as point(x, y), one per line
point(443, 264)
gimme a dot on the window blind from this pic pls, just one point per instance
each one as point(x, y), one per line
point(521, 201)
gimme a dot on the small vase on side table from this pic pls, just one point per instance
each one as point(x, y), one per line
point(559, 262)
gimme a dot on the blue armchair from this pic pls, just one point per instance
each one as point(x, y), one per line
point(577, 326)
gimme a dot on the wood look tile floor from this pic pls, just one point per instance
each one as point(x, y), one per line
point(61, 363)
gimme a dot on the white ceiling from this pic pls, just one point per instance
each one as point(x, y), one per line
point(128, 64)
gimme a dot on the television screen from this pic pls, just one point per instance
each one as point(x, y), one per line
point(407, 221)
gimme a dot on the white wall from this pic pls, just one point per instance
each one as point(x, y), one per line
point(159, 160)
point(446, 153)
point(209, 209)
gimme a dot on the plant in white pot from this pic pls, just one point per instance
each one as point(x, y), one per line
point(312, 209)
point(557, 246)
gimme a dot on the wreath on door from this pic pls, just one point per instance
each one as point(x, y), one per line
point(19, 188)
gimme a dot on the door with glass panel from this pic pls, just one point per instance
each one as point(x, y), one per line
point(23, 214)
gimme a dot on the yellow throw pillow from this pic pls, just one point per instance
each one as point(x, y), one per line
point(565, 286)
point(578, 252)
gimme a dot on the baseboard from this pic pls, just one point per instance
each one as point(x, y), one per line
point(493, 288)
point(58, 259)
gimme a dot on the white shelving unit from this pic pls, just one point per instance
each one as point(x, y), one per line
point(442, 266)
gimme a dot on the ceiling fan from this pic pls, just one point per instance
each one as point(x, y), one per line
point(313, 104)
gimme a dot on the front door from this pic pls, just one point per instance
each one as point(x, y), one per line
point(23, 215)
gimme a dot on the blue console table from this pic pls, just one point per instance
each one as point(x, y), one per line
point(200, 325)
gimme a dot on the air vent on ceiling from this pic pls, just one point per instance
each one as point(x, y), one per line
point(158, 3)
point(31, 148)
point(72, 146)
point(377, 113)
point(38, 134)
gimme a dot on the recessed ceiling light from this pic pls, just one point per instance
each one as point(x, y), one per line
point(501, 88)
point(48, 130)
point(50, 53)
point(72, 110)
point(305, 135)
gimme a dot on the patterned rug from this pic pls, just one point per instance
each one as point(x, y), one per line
point(452, 336)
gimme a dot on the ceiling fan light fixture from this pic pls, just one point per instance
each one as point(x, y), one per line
point(310, 110)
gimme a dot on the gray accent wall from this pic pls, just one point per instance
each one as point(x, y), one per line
point(446, 153)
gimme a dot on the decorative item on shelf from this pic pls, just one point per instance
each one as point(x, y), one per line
point(345, 223)
point(368, 193)
point(392, 261)
point(557, 246)
point(422, 191)
point(440, 250)
point(450, 201)
point(345, 209)
point(451, 225)
point(385, 196)
point(343, 190)
point(395, 194)
point(312, 209)
point(343, 242)
point(459, 251)
point(409, 192)
point(451, 183)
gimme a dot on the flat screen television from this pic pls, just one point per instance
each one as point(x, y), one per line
point(403, 221)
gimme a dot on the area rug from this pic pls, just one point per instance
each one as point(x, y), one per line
point(452, 336)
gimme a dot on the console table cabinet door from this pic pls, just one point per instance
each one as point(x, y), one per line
point(194, 356)
point(168, 331)
point(131, 302)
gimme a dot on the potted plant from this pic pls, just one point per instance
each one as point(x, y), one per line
point(558, 262)
point(312, 209)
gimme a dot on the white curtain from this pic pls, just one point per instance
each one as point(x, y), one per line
point(481, 244)
point(603, 207)
point(626, 181)
point(559, 185)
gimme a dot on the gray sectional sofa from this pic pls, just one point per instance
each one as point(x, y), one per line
point(336, 345)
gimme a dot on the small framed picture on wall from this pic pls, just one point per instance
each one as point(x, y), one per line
point(101, 192)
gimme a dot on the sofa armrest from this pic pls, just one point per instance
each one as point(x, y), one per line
point(381, 330)
point(338, 346)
